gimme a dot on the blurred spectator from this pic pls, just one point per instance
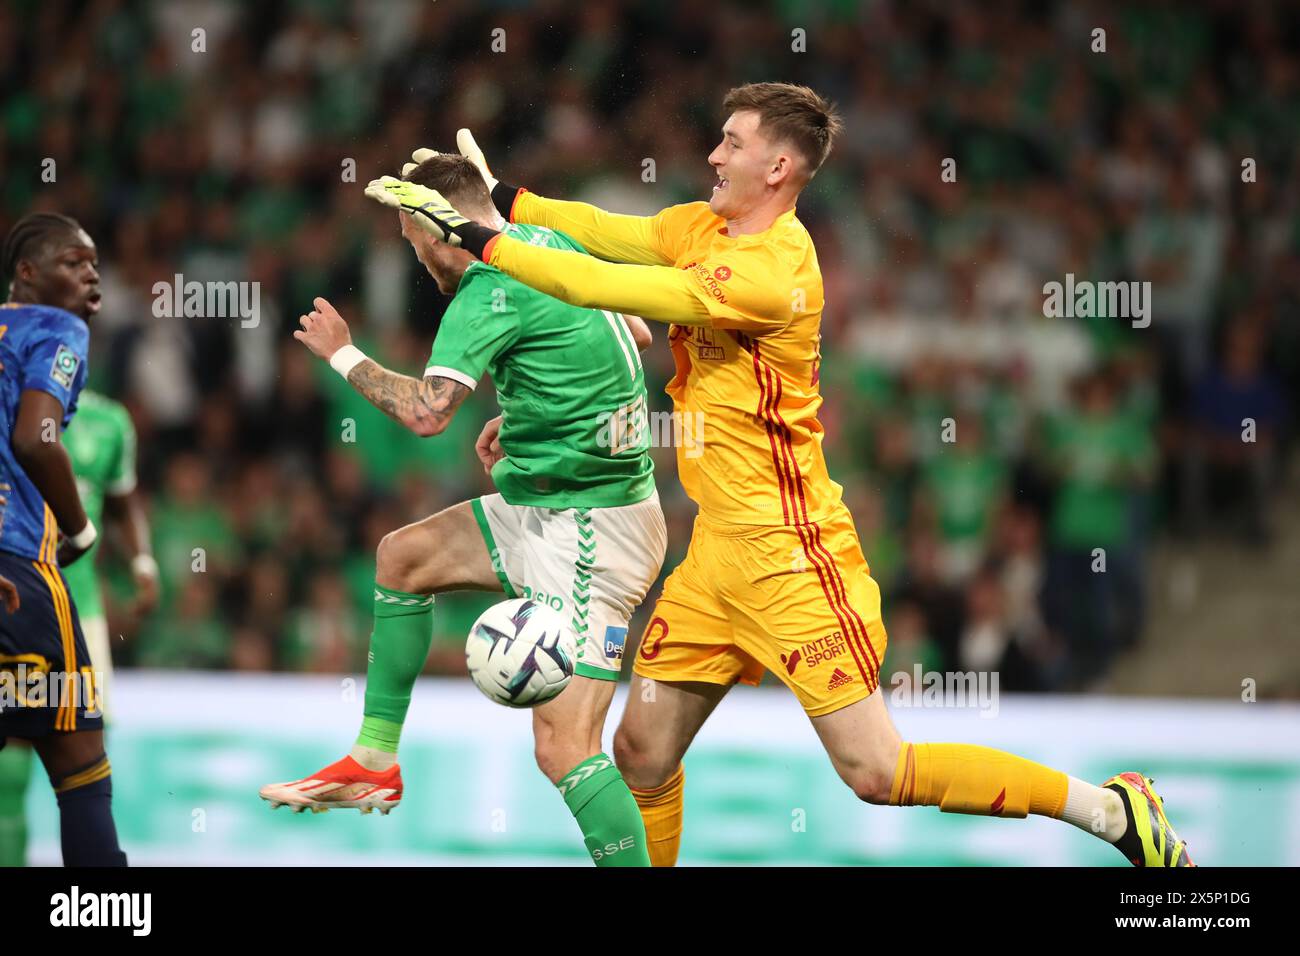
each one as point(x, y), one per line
point(1238, 413)
point(1103, 457)
point(910, 647)
point(964, 487)
point(192, 634)
point(326, 635)
point(922, 584)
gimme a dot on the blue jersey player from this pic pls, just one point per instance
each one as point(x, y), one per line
point(48, 691)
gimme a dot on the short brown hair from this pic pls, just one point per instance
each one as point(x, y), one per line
point(455, 177)
point(793, 114)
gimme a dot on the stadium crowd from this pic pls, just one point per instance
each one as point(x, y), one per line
point(987, 451)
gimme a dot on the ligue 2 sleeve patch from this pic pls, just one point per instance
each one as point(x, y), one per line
point(64, 369)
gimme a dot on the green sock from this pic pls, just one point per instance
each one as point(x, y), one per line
point(606, 812)
point(399, 646)
point(15, 773)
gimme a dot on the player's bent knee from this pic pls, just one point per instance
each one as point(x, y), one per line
point(558, 753)
point(62, 753)
point(567, 730)
point(400, 563)
point(641, 766)
point(550, 760)
point(391, 558)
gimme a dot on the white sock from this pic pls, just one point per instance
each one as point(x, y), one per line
point(374, 759)
point(1095, 809)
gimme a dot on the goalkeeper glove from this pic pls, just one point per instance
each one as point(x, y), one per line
point(417, 157)
point(431, 210)
point(469, 149)
point(503, 196)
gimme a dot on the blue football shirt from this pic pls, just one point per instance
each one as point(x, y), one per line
point(41, 347)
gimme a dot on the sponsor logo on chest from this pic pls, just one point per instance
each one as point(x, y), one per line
point(710, 279)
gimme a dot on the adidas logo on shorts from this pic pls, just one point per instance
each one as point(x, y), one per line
point(839, 679)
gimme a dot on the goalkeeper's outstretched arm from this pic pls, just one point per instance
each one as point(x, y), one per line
point(661, 293)
point(759, 296)
point(614, 237)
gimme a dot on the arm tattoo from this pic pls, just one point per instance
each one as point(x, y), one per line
point(412, 402)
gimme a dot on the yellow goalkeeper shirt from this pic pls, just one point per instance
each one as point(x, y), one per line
point(745, 316)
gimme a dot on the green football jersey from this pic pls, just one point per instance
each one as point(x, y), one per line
point(100, 440)
point(569, 382)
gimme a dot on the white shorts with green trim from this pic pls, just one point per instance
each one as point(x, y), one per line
point(593, 565)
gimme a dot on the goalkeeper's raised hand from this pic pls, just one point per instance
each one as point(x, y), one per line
point(468, 148)
point(503, 195)
point(430, 208)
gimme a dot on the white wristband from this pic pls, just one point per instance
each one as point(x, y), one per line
point(143, 565)
point(84, 538)
point(346, 359)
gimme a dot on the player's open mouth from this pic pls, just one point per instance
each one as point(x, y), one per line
point(93, 301)
point(720, 184)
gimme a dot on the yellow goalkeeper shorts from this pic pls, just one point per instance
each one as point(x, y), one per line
point(797, 600)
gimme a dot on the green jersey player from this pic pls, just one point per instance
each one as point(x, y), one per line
point(576, 522)
point(101, 443)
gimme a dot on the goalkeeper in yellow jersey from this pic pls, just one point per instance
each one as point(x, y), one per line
point(775, 577)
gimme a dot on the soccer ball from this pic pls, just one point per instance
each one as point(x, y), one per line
point(520, 653)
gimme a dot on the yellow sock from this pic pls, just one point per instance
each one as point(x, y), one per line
point(661, 809)
point(964, 778)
